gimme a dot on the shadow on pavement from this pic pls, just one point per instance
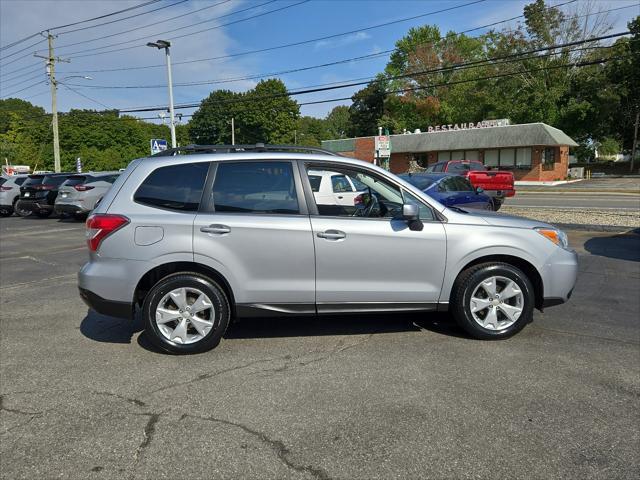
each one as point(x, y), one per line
point(311, 326)
point(101, 328)
point(625, 246)
point(109, 329)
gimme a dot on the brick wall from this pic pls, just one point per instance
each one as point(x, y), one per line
point(537, 173)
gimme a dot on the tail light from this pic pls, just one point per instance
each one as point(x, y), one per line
point(82, 188)
point(5, 189)
point(100, 226)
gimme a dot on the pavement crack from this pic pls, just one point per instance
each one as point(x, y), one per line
point(206, 376)
point(279, 448)
point(134, 401)
point(147, 435)
point(15, 410)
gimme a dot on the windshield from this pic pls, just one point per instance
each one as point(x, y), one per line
point(460, 167)
point(418, 181)
point(34, 180)
point(54, 179)
point(75, 180)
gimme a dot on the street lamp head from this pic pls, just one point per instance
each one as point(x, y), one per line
point(159, 44)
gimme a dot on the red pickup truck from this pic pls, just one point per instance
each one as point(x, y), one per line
point(498, 184)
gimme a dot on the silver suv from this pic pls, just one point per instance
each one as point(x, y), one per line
point(80, 193)
point(195, 240)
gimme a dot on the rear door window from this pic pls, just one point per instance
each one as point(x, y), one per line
point(315, 181)
point(176, 187)
point(75, 180)
point(19, 180)
point(255, 187)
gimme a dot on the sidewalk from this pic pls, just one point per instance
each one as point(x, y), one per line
point(595, 185)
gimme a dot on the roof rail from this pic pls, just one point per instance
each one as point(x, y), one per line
point(258, 147)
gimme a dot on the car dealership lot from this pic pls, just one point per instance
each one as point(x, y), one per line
point(393, 396)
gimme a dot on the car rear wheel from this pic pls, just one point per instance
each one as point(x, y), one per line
point(493, 300)
point(496, 204)
point(6, 211)
point(186, 313)
point(22, 212)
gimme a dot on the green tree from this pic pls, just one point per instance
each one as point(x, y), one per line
point(337, 122)
point(367, 109)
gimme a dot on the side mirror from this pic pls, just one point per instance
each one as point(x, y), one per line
point(479, 190)
point(410, 212)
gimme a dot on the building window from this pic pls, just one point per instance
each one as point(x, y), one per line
point(459, 155)
point(471, 155)
point(491, 158)
point(444, 156)
point(422, 159)
point(523, 158)
point(548, 158)
point(508, 158)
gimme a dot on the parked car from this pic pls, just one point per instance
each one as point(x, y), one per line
point(335, 190)
point(80, 193)
point(498, 184)
point(10, 193)
point(38, 193)
point(235, 231)
point(450, 190)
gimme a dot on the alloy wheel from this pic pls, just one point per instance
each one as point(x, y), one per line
point(185, 315)
point(496, 303)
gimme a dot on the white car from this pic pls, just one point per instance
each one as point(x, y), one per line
point(335, 188)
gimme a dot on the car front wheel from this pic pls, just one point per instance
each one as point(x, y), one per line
point(493, 300)
point(186, 313)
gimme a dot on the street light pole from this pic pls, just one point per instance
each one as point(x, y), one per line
point(165, 44)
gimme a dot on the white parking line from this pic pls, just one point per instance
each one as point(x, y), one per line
point(41, 232)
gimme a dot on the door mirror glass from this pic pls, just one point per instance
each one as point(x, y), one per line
point(479, 190)
point(410, 211)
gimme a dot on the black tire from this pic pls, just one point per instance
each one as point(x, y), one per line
point(496, 203)
point(466, 284)
point(80, 217)
point(6, 211)
point(186, 279)
point(21, 212)
point(43, 213)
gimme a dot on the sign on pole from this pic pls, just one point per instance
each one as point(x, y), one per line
point(383, 146)
point(78, 165)
point(158, 145)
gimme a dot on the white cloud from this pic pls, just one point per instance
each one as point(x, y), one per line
point(342, 41)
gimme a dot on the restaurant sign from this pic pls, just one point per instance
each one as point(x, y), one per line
point(503, 122)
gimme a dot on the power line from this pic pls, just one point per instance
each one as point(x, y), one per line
point(22, 81)
point(29, 72)
point(143, 26)
point(22, 89)
point(312, 40)
point(139, 39)
point(20, 51)
point(85, 96)
point(94, 26)
point(103, 16)
point(208, 82)
point(17, 70)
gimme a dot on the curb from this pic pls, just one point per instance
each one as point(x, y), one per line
point(598, 228)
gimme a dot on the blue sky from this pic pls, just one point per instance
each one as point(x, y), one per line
point(313, 19)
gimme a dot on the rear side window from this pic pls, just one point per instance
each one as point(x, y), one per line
point(2, 180)
point(315, 180)
point(340, 184)
point(19, 180)
point(255, 187)
point(35, 180)
point(75, 180)
point(176, 187)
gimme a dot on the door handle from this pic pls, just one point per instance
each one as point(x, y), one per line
point(216, 229)
point(332, 235)
point(340, 197)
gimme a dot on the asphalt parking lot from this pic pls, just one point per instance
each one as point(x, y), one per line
point(397, 396)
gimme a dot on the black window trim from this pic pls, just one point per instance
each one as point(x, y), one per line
point(206, 203)
point(304, 165)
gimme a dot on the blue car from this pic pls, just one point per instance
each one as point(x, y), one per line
point(450, 190)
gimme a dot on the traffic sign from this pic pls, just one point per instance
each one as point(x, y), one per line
point(383, 146)
point(158, 145)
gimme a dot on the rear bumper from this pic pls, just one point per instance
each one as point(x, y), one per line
point(500, 194)
point(33, 205)
point(106, 307)
point(68, 208)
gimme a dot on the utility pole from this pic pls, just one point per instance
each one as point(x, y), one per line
point(233, 131)
point(635, 140)
point(51, 72)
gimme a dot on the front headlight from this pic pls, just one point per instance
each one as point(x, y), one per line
point(556, 236)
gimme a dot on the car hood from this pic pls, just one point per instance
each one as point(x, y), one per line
point(494, 218)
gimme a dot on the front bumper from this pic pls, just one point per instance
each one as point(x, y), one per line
point(106, 307)
point(33, 205)
point(559, 277)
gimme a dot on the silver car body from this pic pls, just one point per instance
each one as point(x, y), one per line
point(72, 200)
point(278, 263)
point(11, 191)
